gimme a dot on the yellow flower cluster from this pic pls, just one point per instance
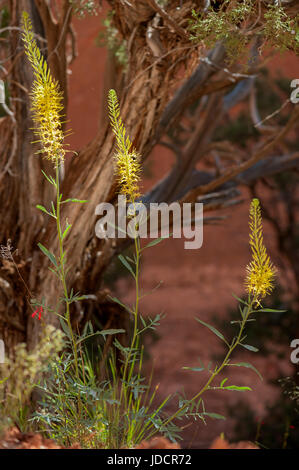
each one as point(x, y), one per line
point(46, 100)
point(126, 157)
point(260, 271)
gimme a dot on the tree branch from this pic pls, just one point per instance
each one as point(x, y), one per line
point(181, 32)
point(236, 170)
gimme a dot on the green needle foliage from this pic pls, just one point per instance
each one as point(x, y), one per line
point(109, 37)
point(84, 7)
point(235, 23)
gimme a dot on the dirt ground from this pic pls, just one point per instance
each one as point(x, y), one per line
point(196, 283)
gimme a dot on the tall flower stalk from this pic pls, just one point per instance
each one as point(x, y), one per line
point(127, 162)
point(46, 100)
point(47, 110)
point(127, 159)
point(259, 284)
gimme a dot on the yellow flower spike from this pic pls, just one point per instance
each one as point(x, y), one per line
point(46, 100)
point(260, 272)
point(126, 157)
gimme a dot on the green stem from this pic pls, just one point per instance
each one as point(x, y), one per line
point(64, 285)
point(129, 368)
point(136, 309)
point(224, 363)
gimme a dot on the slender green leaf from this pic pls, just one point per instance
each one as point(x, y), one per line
point(116, 300)
point(223, 382)
point(65, 327)
point(126, 264)
point(154, 242)
point(271, 310)
point(240, 321)
point(43, 209)
point(88, 336)
point(249, 347)
point(214, 330)
point(53, 209)
point(111, 332)
point(240, 300)
point(66, 231)
point(49, 178)
point(236, 388)
point(213, 415)
point(84, 297)
point(81, 201)
point(249, 366)
point(48, 254)
point(241, 311)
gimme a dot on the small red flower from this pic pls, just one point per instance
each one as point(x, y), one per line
point(259, 421)
point(292, 427)
point(38, 311)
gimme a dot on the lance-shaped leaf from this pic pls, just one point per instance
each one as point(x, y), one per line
point(249, 366)
point(50, 255)
point(214, 330)
point(80, 201)
point(126, 264)
point(236, 388)
point(43, 209)
point(111, 332)
point(249, 347)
